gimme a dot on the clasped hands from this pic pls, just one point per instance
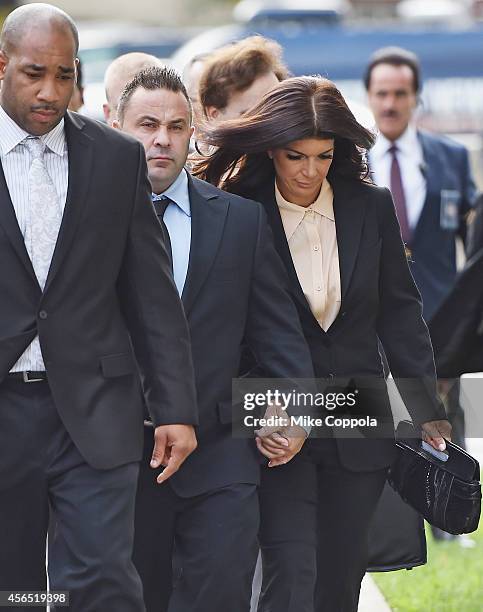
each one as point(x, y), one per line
point(280, 444)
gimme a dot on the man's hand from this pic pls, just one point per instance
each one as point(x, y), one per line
point(281, 447)
point(434, 433)
point(280, 444)
point(172, 445)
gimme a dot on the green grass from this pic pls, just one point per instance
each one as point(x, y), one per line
point(452, 580)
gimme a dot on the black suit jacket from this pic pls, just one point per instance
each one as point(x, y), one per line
point(457, 327)
point(475, 230)
point(236, 291)
point(433, 265)
point(109, 303)
point(379, 303)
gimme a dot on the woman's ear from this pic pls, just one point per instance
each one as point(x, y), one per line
point(270, 153)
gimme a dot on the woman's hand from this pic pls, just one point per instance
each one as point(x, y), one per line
point(280, 444)
point(434, 433)
point(279, 448)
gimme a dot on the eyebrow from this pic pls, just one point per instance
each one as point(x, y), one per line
point(300, 152)
point(39, 68)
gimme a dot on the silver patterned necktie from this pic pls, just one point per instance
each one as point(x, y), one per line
point(45, 214)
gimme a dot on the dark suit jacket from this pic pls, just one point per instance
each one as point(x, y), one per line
point(446, 167)
point(109, 303)
point(475, 230)
point(457, 327)
point(236, 291)
point(379, 302)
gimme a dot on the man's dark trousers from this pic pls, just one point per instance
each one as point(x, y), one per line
point(93, 509)
point(216, 550)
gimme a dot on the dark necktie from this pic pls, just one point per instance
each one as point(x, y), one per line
point(160, 207)
point(398, 196)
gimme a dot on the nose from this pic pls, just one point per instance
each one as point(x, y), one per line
point(48, 91)
point(161, 138)
point(310, 168)
point(389, 102)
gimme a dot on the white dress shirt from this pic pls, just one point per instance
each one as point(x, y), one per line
point(177, 219)
point(312, 240)
point(16, 161)
point(411, 163)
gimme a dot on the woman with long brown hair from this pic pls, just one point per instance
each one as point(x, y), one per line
point(300, 152)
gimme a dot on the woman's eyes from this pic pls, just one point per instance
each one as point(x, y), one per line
point(323, 156)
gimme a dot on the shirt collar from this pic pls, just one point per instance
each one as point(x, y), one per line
point(12, 135)
point(293, 214)
point(408, 144)
point(178, 192)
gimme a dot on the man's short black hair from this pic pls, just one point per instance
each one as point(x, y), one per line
point(152, 78)
point(395, 56)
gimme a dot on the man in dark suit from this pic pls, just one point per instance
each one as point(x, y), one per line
point(430, 180)
point(234, 289)
point(429, 175)
point(83, 264)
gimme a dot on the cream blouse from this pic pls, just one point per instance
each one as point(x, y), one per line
point(312, 240)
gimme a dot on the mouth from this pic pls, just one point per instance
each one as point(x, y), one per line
point(161, 158)
point(305, 185)
point(44, 114)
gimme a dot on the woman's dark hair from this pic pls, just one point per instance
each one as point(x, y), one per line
point(297, 108)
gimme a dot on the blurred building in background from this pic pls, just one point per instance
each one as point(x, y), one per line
point(331, 37)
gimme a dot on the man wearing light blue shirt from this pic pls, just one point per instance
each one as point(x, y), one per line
point(234, 291)
point(177, 219)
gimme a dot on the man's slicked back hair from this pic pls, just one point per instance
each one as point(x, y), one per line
point(394, 56)
point(152, 79)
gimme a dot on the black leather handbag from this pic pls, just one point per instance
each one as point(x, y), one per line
point(447, 493)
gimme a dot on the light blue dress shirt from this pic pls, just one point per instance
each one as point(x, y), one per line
point(177, 219)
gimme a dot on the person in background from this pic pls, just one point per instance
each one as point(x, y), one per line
point(235, 77)
point(77, 100)
point(300, 153)
point(432, 186)
point(82, 352)
point(120, 72)
point(429, 175)
point(234, 288)
point(191, 78)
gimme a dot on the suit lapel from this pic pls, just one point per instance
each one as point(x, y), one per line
point(9, 222)
point(349, 209)
point(208, 215)
point(432, 174)
point(81, 153)
point(349, 215)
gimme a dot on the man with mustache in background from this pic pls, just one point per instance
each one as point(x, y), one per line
point(431, 183)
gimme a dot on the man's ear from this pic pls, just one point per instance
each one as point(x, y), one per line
point(3, 64)
point(107, 111)
point(212, 113)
